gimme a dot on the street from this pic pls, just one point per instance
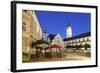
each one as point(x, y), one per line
point(66, 57)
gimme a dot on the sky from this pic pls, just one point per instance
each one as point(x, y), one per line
point(56, 22)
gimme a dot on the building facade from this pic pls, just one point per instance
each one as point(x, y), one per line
point(80, 39)
point(31, 29)
point(56, 40)
point(83, 39)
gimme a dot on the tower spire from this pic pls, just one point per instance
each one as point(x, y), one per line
point(68, 24)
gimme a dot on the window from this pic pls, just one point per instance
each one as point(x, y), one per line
point(83, 40)
point(24, 27)
point(75, 41)
point(87, 39)
point(79, 40)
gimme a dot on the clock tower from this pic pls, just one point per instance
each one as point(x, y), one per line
point(68, 31)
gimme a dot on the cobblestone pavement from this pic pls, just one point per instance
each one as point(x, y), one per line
point(66, 57)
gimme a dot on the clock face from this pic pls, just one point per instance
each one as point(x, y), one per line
point(68, 31)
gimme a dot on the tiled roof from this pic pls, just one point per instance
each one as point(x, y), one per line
point(51, 36)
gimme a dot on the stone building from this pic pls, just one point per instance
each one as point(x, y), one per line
point(31, 29)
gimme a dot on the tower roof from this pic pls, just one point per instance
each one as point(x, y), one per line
point(68, 25)
point(45, 31)
point(51, 37)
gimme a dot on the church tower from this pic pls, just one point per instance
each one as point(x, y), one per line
point(68, 31)
point(45, 34)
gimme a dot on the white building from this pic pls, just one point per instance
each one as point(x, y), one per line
point(78, 40)
point(56, 39)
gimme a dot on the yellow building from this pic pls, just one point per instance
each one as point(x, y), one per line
point(31, 29)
